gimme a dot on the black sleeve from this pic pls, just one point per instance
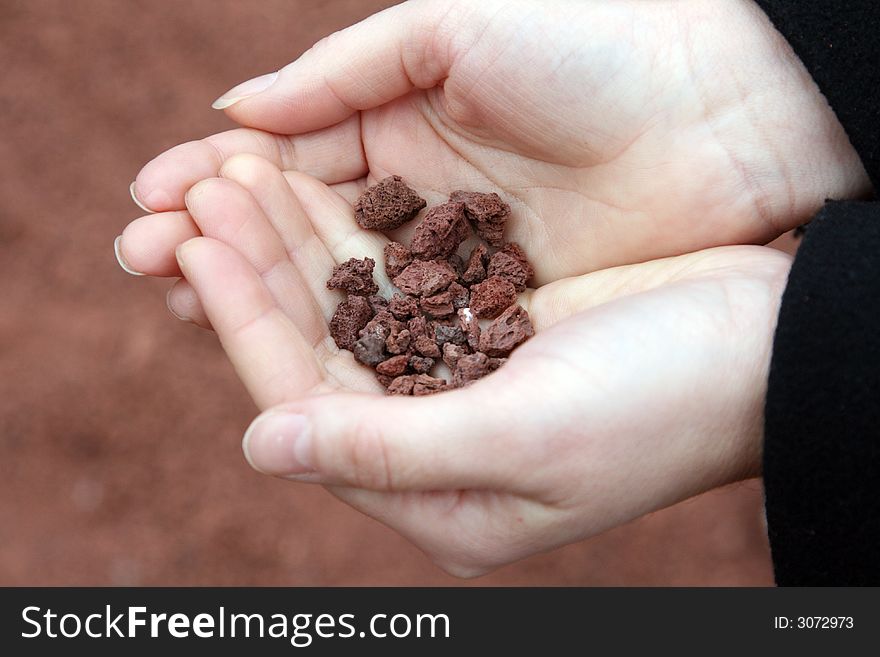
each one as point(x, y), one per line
point(822, 417)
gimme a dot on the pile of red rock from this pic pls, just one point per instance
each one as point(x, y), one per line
point(442, 298)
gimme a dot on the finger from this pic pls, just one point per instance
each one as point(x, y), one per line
point(556, 301)
point(225, 211)
point(361, 67)
point(269, 353)
point(334, 154)
point(184, 304)
point(443, 442)
point(147, 245)
point(332, 219)
point(271, 191)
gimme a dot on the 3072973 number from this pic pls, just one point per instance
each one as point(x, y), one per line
point(824, 622)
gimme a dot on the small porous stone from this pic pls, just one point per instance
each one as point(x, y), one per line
point(418, 326)
point(451, 354)
point(426, 346)
point(495, 363)
point(487, 212)
point(384, 380)
point(394, 366)
point(350, 317)
point(438, 305)
point(425, 277)
point(354, 277)
point(440, 232)
point(475, 271)
point(470, 368)
point(506, 265)
point(492, 297)
point(385, 322)
point(423, 384)
point(370, 347)
point(398, 343)
point(461, 296)
point(403, 306)
point(471, 327)
point(402, 385)
point(444, 334)
point(397, 257)
point(387, 205)
point(503, 335)
point(378, 303)
point(421, 364)
point(515, 250)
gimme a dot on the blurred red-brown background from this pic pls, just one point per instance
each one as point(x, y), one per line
point(120, 426)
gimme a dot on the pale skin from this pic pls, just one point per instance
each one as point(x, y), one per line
point(620, 132)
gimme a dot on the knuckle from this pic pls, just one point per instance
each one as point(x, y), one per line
point(247, 169)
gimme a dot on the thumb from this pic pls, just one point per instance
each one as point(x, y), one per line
point(467, 438)
point(360, 67)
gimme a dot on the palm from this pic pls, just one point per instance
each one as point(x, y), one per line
point(603, 168)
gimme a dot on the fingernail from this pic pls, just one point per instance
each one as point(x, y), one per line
point(245, 90)
point(279, 444)
point(136, 200)
point(182, 318)
point(121, 260)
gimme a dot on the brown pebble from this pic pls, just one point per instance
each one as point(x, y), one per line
point(354, 277)
point(451, 353)
point(421, 364)
point(398, 343)
point(384, 380)
point(469, 369)
point(370, 347)
point(425, 277)
point(403, 306)
point(440, 232)
point(461, 296)
point(418, 326)
point(394, 366)
point(426, 347)
point(397, 257)
point(492, 297)
point(387, 205)
point(386, 321)
point(350, 317)
point(503, 335)
point(444, 334)
point(438, 305)
point(378, 303)
point(423, 384)
point(476, 265)
point(402, 385)
point(495, 363)
point(471, 327)
point(487, 212)
point(506, 265)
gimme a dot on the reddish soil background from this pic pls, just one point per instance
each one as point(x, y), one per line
point(120, 426)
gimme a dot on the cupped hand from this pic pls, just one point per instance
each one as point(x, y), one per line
point(643, 386)
point(619, 131)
